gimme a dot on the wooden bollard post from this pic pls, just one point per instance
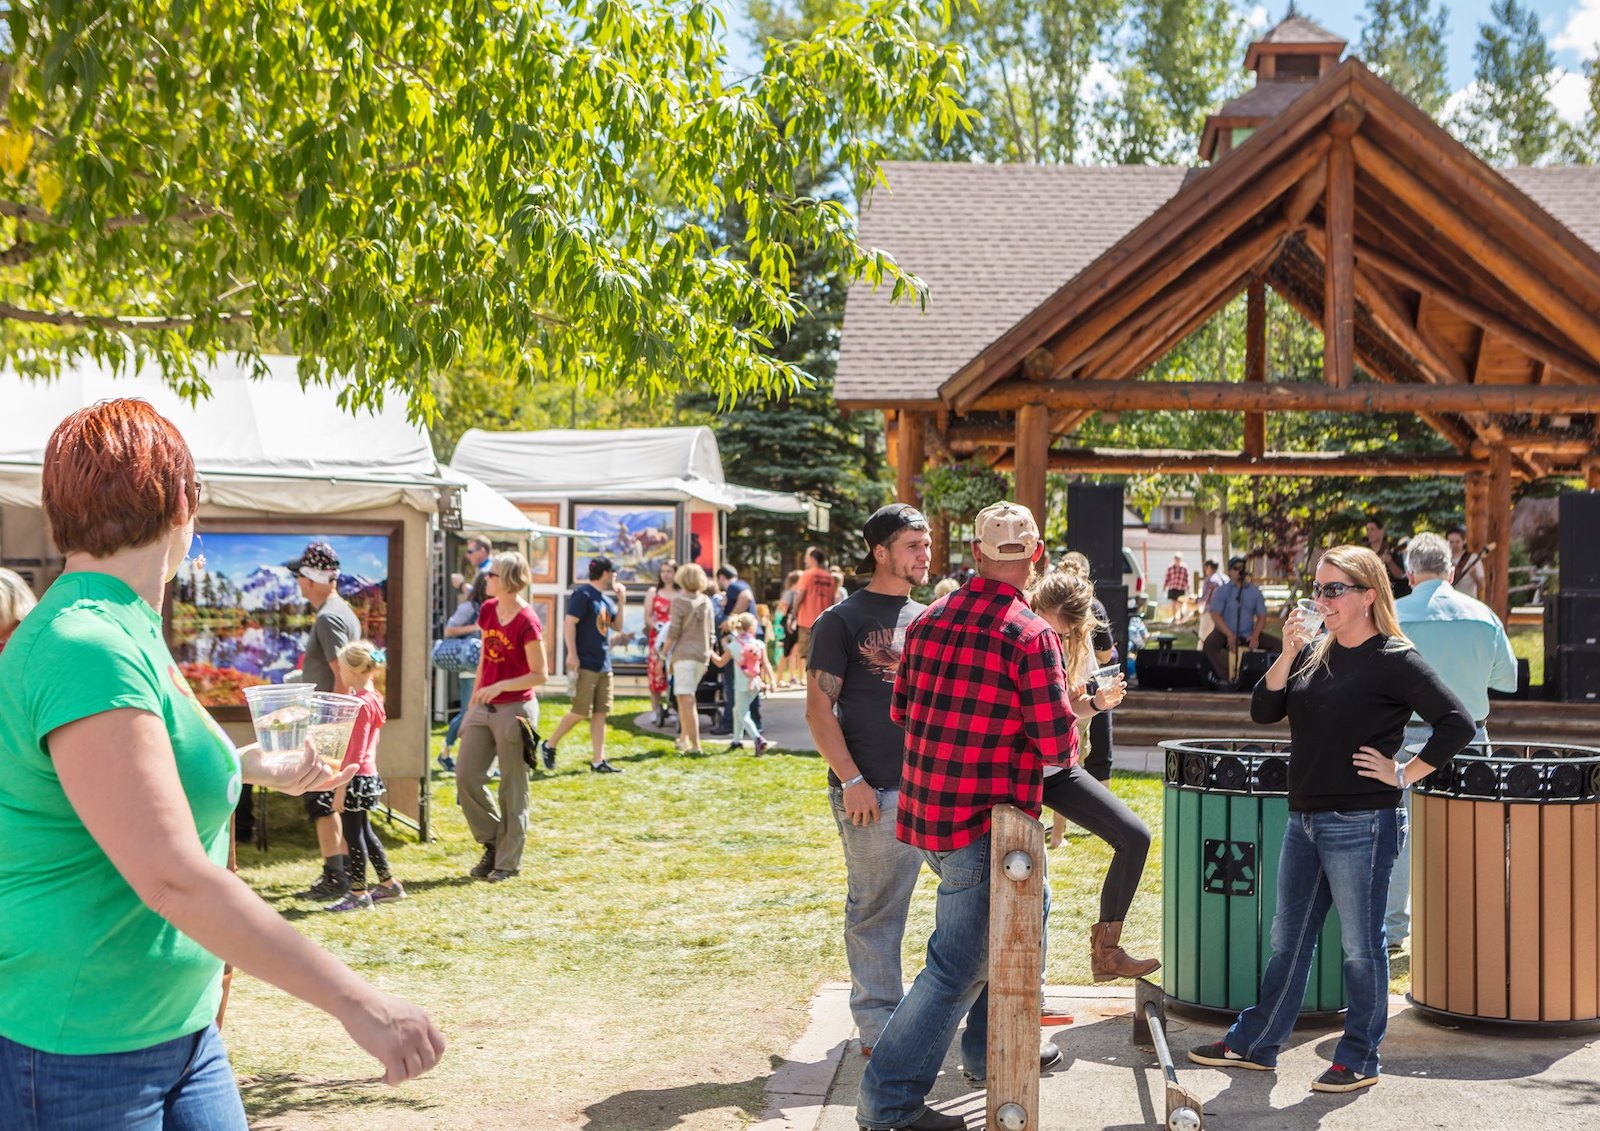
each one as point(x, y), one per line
point(1016, 960)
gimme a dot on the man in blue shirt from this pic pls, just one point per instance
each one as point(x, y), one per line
point(1466, 644)
point(1238, 616)
point(593, 612)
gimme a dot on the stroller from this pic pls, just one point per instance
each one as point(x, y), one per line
point(708, 697)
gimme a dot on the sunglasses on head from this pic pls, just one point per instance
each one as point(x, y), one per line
point(1333, 590)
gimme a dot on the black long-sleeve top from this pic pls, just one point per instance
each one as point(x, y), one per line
point(1363, 696)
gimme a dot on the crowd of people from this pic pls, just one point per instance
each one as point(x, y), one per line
point(117, 913)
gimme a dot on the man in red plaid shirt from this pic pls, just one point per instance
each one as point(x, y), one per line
point(982, 695)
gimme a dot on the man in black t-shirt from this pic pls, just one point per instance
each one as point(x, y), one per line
point(854, 653)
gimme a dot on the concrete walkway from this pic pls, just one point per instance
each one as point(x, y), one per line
point(1433, 1077)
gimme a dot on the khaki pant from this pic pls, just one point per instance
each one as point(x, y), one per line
point(488, 732)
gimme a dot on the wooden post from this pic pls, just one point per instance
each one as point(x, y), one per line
point(1339, 299)
point(1255, 363)
point(1591, 473)
point(1016, 961)
point(1497, 561)
point(940, 527)
point(1477, 511)
point(1032, 458)
point(910, 457)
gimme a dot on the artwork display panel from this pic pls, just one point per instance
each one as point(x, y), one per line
point(630, 640)
point(544, 607)
point(240, 621)
point(637, 537)
point(542, 549)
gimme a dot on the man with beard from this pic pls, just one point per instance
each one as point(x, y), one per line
point(855, 651)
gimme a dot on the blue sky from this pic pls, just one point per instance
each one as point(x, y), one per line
point(1571, 27)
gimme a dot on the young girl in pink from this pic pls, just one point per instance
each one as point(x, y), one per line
point(358, 663)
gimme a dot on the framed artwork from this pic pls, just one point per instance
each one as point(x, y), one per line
point(703, 540)
point(630, 640)
point(637, 537)
point(544, 607)
point(542, 548)
point(240, 621)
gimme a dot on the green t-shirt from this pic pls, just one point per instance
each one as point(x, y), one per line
point(85, 966)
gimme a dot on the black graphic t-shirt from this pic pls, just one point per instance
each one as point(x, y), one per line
point(860, 640)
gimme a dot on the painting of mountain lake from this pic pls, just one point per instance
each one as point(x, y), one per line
point(637, 538)
point(240, 621)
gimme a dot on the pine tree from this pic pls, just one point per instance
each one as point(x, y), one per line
point(1509, 118)
point(1404, 43)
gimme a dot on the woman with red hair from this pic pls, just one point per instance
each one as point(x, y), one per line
point(116, 787)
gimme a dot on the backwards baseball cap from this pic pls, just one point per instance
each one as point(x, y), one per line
point(1006, 532)
point(318, 563)
point(881, 528)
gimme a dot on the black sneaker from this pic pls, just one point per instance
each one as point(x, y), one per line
point(485, 864)
point(548, 753)
point(1219, 1055)
point(1338, 1078)
point(1049, 1057)
point(326, 888)
point(501, 875)
point(603, 767)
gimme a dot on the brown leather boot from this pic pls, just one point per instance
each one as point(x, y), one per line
point(1108, 960)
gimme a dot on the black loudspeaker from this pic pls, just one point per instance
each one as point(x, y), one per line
point(1114, 596)
point(1579, 517)
point(1576, 678)
point(1252, 666)
point(1172, 669)
point(1576, 617)
point(1094, 528)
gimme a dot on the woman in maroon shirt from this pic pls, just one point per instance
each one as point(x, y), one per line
point(510, 666)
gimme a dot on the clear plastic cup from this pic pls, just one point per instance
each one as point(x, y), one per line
point(1310, 616)
point(281, 714)
point(333, 717)
point(1106, 676)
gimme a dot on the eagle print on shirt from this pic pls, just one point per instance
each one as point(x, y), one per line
point(880, 651)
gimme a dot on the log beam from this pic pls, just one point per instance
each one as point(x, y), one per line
point(1339, 208)
point(1435, 291)
point(1133, 461)
point(1283, 396)
point(910, 457)
point(1526, 281)
point(1031, 460)
point(1497, 561)
point(1255, 363)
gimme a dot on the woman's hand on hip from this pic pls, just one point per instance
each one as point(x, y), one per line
point(289, 774)
point(1371, 763)
point(395, 1031)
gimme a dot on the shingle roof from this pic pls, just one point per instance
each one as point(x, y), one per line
point(992, 242)
point(1264, 100)
point(1298, 29)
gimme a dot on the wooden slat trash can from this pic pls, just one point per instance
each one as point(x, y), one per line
point(1226, 808)
point(1505, 888)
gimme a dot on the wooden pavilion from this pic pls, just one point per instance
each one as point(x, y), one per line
point(1466, 295)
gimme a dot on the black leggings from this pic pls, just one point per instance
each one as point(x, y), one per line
point(1077, 796)
point(363, 844)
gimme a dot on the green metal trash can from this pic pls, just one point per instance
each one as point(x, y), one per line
point(1226, 808)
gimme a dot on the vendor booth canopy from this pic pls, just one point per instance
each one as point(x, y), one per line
point(260, 444)
point(648, 464)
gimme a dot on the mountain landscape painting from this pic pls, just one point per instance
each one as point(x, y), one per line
point(240, 620)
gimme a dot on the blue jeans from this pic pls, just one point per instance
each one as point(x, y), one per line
point(744, 708)
point(454, 729)
point(881, 873)
point(1342, 859)
point(181, 1085)
point(1397, 916)
point(910, 1051)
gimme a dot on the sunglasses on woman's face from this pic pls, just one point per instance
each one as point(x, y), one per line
point(491, 573)
point(1333, 590)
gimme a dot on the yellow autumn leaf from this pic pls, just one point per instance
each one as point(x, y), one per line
point(15, 145)
point(50, 186)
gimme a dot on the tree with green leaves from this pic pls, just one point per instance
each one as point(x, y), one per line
point(1509, 119)
point(387, 186)
point(1181, 61)
point(1403, 41)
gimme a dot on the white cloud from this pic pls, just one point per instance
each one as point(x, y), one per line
point(1569, 93)
point(1258, 18)
point(1582, 29)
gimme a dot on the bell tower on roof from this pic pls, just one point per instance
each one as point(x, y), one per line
point(1286, 61)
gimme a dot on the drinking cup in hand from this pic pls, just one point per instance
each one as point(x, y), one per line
point(1310, 617)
